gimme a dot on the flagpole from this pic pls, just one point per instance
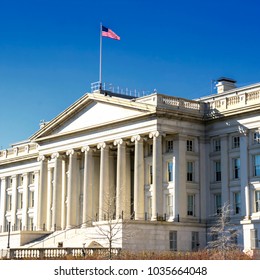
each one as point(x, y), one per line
point(100, 59)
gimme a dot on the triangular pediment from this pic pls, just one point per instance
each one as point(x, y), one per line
point(96, 114)
point(92, 111)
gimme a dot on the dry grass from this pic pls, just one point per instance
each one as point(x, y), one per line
point(152, 255)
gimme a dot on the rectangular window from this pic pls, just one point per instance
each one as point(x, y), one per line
point(170, 171)
point(254, 238)
point(169, 146)
point(31, 199)
point(237, 203)
point(173, 240)
point(257, 137)
point(150, 174)
point(235, 142)
point(236, 168)
point(9, 202)
point(190, 169)
point(257, 201)
point(150, 149)
point(217, 145)
point(195, 241)
point(20, 200)
point(149, 207)
point(218, 171)
point(189, 145)
point(217, 203)
point(191, 205)
point(257, 165)
point(169, 205)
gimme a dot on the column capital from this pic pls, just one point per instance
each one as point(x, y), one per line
point(119, 142)
point(55, 155)
point(154, 134)
point(41, 158)
point(136, 138)
point(70, 152)
point(85, 149)
point(102, 145)
point(242, 130)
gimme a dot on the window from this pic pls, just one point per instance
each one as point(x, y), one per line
point(173, 240)
point(170, 171)
point(9, 202)
point(31, 199)
point(150, 174)
point(169, 202)
point(194, 240)
point(189, 145)
point(169, 146)
point(217, 145)
point(235, 142)
point(190, 174)
point(149, 207)
point(20, 200)
point(30, 223)
point(254, 238)
point(217, 203)
point(234, 235)
point(32, 178)
point(257, 165)
point(150, 149)
point(218, 170)
point(236, 168)
point(257, 137)
point(191, 205)
point(257, 201)
point(237, 203)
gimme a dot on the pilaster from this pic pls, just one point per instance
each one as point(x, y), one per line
point(224, 170)
point(3, 205)
point(244, 187)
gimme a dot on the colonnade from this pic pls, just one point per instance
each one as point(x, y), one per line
point(60, 187)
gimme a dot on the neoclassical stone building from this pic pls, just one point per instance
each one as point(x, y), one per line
point(156, 166)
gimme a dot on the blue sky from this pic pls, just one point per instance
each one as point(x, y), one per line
point(49, 52)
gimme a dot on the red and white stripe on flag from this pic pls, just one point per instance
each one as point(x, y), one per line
point(106, 32)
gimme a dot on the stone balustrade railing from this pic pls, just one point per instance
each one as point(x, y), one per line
point(55, 253)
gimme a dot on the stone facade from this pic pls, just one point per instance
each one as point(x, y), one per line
point(160, 166)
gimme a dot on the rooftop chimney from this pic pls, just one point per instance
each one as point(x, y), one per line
point(225, 84)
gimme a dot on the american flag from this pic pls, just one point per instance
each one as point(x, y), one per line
point(106, 32)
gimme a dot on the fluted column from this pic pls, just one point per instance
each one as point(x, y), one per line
point(72, 190)
point(104, 182)
point(87, 186)
point(3, 205)
point(63, 194)
point(49, 199)
point(56, 195)
point(157, 201)
point(42, 193)
point(120, 177)
point(138, 177)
